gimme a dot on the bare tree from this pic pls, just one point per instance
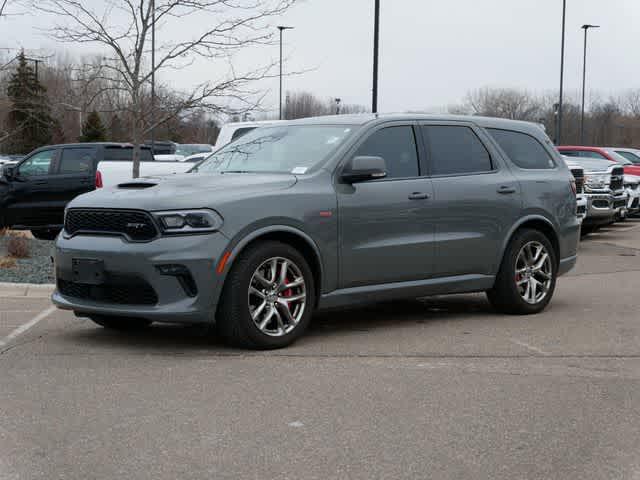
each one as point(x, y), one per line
point(631, 102)
point(504, 103)
point(306, 104)
point(123, 28)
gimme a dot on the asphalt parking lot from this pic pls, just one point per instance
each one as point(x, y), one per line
point(439, 388)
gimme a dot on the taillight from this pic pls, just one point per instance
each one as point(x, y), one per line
point(98, 179)
point(574, 189)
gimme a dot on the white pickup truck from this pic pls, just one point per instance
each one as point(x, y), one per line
point(115, 164)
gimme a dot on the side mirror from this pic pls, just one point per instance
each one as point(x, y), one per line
point(362, 169)
point(9, 172)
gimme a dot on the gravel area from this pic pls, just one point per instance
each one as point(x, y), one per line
point(38, 268)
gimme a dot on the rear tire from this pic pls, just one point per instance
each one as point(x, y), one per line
point(519, 285)
point(48, 234)
point(254, 310)
point(122, 324)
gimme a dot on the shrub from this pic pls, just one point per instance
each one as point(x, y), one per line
point(7, 262)
point(18, 247)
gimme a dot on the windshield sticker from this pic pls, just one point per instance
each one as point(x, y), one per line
point(299, 170)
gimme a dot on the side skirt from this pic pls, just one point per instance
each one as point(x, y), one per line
point(413, 289)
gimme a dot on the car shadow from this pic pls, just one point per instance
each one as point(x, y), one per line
point(193, 340)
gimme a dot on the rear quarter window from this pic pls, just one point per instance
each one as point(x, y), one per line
point(125, 154)
point(523, 150)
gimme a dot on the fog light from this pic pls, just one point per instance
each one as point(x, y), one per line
point(183, 275)
point(172, 270)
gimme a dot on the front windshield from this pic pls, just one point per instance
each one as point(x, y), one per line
point(278, 149)
point(632, 157)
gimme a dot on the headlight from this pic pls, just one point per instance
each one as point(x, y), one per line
point(188, 221)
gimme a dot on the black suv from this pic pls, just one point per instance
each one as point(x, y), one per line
point(35, 191)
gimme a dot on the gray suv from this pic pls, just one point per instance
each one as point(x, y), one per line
point(325, 212)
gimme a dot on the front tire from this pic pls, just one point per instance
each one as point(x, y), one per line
point(268, 298)
point(527, 277)
point(122, 324)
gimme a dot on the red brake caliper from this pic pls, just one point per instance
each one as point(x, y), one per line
point(288, 292)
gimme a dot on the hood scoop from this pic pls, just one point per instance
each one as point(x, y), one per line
point(136, 185)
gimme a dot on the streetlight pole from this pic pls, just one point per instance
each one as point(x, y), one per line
point(376, 48)
point(584, 79)
point(153, 76)
point(282, 29)
point(559, 120)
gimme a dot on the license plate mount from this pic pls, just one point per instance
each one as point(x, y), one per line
point(89, 271)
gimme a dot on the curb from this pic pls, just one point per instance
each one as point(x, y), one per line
point(33, 290)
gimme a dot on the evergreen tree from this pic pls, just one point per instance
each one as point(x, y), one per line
point(93, 130)
point(30, 114)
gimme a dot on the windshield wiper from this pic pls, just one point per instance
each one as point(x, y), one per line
point(235, 171)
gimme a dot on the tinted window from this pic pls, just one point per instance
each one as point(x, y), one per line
point(398, 148)
point(77, 160)
point(37, 165)
point(240, 132)
point(583, 154)
point(125, 154)
point(455, 150)
point(523, 150)
point(629, 156)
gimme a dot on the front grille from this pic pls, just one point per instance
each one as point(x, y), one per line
point(136, 292)
point(578, 175)
point(617, 178)
point(601, 204)
point(135, 225)
point(619, 203)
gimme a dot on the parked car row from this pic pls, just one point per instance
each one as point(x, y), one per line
point(293, 216)
point(611, 183)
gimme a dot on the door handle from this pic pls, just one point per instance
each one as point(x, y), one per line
point(418, 196)
point(505, 190)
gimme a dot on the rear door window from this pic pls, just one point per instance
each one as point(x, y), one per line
point(455, 150)
point(397, 146)
point(76, 160)
point(522, 149)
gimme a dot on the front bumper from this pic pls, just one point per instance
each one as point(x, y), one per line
point(582, 206)
point(633, 204)
point(599, 207)
point(121, 259)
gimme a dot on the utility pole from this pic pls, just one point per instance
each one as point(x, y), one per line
point(559, 120)
point(338, 102)
point(376, 45)
point(282, 29)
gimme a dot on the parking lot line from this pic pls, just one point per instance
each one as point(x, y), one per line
point(24, 327)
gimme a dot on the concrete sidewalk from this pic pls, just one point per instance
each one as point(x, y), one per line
point(25, 290)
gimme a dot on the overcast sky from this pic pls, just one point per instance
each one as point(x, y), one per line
point(432, 52)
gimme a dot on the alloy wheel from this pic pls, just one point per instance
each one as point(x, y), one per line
point(534, 272)
point(277, 296)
